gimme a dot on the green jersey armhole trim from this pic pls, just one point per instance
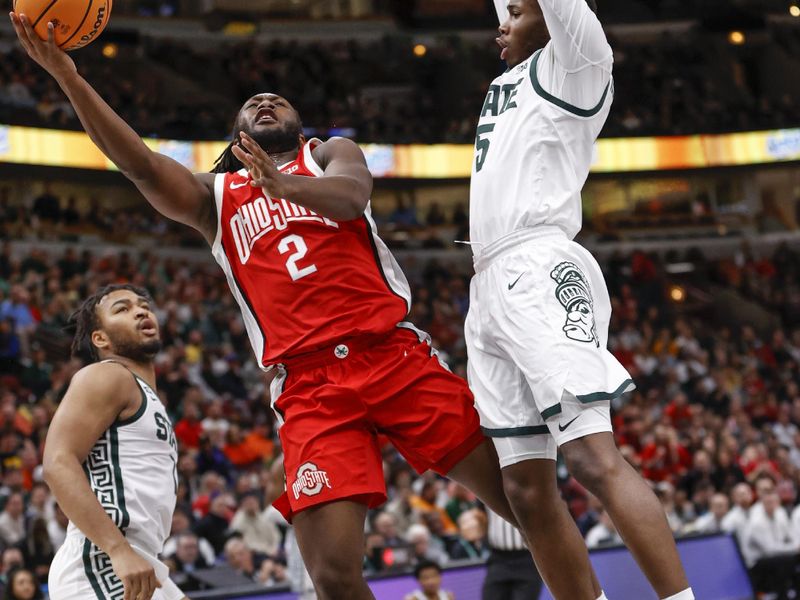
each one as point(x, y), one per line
point(626, 386)
point(516, 431)
point(578, 112)
point(140, 411)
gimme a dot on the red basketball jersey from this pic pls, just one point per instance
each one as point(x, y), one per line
point(303, 281)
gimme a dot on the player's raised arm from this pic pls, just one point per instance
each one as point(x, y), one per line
point(97, 396)
point(578, 37)
point(171, 188)
point(341, 194)
point(576, 66)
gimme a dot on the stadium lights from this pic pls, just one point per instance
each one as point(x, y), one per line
point(420, 50)
point(794, 10)
point(677, 293)
point(736, 38)
point(110, 51)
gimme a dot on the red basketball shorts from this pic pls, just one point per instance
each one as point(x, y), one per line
point(335, 402)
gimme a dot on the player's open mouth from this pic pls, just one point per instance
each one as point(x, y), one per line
point(503, 48)
point(148, 327)
point(265, 116)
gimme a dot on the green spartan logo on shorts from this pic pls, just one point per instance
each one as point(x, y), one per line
point(572, 291)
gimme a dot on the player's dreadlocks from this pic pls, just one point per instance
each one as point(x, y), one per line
point(83, 322)
point(227, 161)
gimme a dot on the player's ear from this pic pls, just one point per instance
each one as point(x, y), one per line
point(100, 340)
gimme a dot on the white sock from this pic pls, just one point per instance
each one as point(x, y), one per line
point(686, 594)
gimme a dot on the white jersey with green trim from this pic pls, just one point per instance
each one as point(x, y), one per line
point(132, 469)
point(538, 125)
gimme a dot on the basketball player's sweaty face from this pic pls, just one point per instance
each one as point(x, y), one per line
point(272, 122)
point(523, 32)
point(128, 326)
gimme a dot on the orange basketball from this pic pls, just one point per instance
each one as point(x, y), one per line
point(77, 22)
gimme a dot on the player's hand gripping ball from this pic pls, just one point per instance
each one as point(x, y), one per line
point(76, 22)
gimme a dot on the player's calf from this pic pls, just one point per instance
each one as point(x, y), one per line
point(597, 464)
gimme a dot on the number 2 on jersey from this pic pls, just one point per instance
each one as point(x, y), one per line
point(482, 145)
point(300, 252)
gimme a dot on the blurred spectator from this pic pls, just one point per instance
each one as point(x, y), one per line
point(738, 517)
point(665, 492)
point(187, 557)
point(181, 524)
point(22, 585)
point(37, 548)
point(429, 576)
point(711, 522)
point(273, 572)
point(40, 502)
point(17, 308)
point(604, 533)
point(214, 526)
point(664, 458)
point(11, 559)
point(772, 547)
point(591, 516)
point(426, 502)
point(189, 429)
point(12, 519)
point(385, 525)
point(57, 527)
point(255, 527)
point(47, 206)
point(471, 542)
point(420, 539)
point(461, 500)
point(242, 559)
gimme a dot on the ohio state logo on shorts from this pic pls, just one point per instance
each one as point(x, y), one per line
point(310, 480)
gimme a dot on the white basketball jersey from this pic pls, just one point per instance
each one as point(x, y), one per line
point(538, 125)
point(132, 470)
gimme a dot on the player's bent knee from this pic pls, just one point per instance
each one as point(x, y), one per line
point(594, 471)
point(523, 494)
point(335, 581)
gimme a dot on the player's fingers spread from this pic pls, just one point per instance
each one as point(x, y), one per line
point(32, 39)
point(254, 148)
point(243, 156)
point(27, 26)
point(19, 30)
point(51, 34)
point(238, 150)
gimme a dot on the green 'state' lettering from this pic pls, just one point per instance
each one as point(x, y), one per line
point(492, 106)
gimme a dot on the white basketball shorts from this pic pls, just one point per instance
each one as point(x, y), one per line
point(80, 571)
point(536, 335)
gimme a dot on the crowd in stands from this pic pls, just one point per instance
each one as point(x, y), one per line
point(714, 423)
point(380, 91)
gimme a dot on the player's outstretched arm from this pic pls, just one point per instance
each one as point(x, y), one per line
point(578, 37)
point(341, 194)
point(97, 396)
point(171, 188)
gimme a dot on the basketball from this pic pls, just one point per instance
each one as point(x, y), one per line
point(77, 22)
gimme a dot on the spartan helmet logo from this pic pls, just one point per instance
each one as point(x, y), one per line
point(575, 296)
